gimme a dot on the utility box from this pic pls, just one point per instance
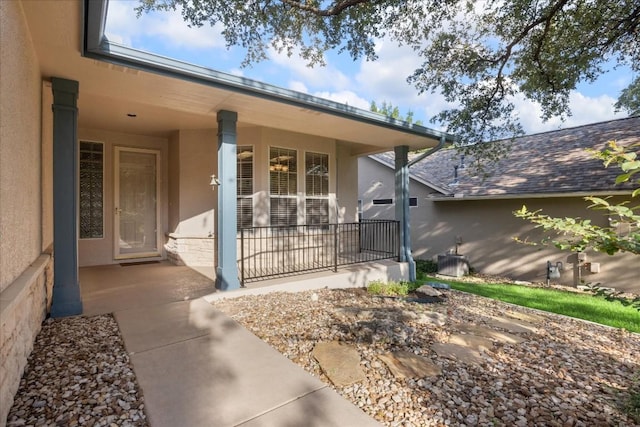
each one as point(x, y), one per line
point(453, 265)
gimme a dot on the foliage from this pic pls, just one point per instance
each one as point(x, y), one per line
point(629, 99)
point(479, 55)
point(392, 288)
point(426, 266)
point(576, 234)
point(389, 110)
point(611, 295)
point(573, 304)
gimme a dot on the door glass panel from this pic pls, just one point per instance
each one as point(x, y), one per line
point(138, 192)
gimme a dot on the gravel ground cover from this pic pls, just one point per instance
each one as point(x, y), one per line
point(78, 374)
point(567, 373)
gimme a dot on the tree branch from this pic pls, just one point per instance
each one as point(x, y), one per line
point(336, 9)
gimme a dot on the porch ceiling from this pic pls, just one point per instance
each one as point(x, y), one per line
point(164, 104)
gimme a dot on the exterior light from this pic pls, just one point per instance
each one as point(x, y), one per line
point(214, 182)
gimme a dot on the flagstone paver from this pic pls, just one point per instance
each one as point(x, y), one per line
point(340, 362)
point(498, 336)
point(512, 325)
point(458, 352)
point(475, 342)
point(404, 364)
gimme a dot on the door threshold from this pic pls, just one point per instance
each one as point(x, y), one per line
point(127, 264)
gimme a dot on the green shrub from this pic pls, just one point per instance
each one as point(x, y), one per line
point(393, 288)
point(426, 266)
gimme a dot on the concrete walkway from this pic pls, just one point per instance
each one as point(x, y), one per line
point(198, 367)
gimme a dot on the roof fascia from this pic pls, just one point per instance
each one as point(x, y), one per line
point(97, 46)
point(462, 198)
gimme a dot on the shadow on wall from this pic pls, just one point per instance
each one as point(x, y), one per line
point(487, 228)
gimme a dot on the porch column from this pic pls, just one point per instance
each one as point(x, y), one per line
point(226, 233)
point(402, 206)
point(66, 288)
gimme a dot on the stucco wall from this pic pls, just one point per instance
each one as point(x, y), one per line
point(346, 184)
point(20, 149)
point(197, 151)
point(378, 182)
point(101, 251)
point(25, 273)
point(487, 228)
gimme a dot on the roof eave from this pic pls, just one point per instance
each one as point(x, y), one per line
point(95, 45)
point(459, 197)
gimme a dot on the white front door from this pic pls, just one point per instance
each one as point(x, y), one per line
point(136, 198)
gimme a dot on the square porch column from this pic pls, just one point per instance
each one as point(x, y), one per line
point(226, 233)
point(402, 206)
point(402, 196)
point(66, 288)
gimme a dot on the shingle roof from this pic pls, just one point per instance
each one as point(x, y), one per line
point(545, 163)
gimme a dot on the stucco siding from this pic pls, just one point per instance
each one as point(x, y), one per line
point(346, 184)
point(25, 273)
point(377, 182)
point(100, 251)
point(487, 228)
point(20, 148)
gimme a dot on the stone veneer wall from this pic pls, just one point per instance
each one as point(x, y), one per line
point(23, 306)
point(190, 250)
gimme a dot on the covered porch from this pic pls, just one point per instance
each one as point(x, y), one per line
point(140, 136)
point(118, 287)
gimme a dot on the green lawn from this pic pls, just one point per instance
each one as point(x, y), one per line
point(583, 306)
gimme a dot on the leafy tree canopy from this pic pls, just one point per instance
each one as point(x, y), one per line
point(389, 110)
point(479, 55)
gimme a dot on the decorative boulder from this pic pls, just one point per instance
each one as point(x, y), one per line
point(426, 291)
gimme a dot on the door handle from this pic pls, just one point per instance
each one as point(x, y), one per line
point(118, 210)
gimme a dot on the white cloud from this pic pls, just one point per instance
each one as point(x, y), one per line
point(123, 27)
point(345, 97)
point(327, 76)
point(584, 110)
point(298, 86)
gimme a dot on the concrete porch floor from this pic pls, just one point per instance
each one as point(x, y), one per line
point(198, 367)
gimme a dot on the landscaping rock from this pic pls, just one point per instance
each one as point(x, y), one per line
point(426, 291)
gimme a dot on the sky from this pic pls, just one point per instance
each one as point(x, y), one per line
point(343, 80)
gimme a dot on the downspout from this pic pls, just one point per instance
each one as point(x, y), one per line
point(405, 214)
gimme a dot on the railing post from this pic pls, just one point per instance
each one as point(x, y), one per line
point(242, 257)
point(335, 248)
point(398, 238)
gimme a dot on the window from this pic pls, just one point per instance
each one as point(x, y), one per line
point(382, 201)
point(317, 188)
point(284, 211)
point(244, 179)
point(283, 186)
point(91, 210)
point(413, 201)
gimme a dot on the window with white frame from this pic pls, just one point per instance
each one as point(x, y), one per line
point(316, 188)
point(90, 195)
point(283, 186)
point(244, 180)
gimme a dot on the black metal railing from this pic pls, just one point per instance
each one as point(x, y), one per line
point(286, 250)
